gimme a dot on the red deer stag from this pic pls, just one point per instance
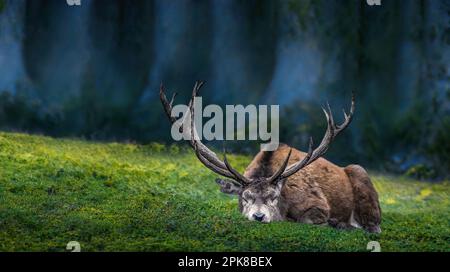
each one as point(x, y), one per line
point(288, 184)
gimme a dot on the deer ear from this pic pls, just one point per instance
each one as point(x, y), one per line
point(228, 187)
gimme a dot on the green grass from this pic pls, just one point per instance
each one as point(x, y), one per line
point(126, 197)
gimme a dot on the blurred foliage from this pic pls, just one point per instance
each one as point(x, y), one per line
point(2, 5)
point(440, 145)
point(127, 197)
point(395, 57)
point(421, 171)
point(394, 129)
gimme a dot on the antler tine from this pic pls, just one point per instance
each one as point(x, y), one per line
point(347, 118)
point(237, 175)
point(166, 104)
point(173, 99)
point(330, 116)
point(299, 165)
point(195, 91)
point(280, 171)
point(211, 166)
point(332, 131)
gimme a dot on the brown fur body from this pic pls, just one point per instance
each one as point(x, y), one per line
point(322, 193)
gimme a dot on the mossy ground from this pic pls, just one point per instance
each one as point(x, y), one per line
point(126, 197)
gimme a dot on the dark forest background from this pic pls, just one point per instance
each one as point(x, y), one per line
point(94, 71)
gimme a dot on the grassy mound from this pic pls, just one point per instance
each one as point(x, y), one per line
point(125, 197)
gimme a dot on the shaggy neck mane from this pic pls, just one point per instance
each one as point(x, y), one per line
point(264, 169)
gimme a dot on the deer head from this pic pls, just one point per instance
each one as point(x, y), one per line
point(259, 197)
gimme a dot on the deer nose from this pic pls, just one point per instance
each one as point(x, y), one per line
point(258, 216)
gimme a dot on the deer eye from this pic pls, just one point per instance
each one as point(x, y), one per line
point(248, 200)
point(247, 195)
point(271, 196)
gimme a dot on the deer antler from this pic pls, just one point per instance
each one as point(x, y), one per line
point(211, 161)
point(203, 153)
point(332, 131)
